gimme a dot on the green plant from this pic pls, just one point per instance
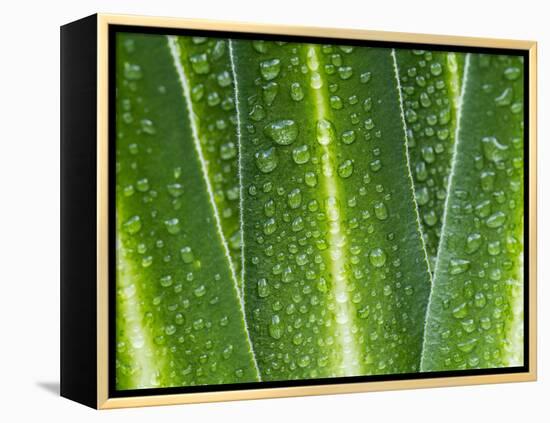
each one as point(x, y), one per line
point(335, 275)
point(179, 314)
point(295, 211)
point(475, 316)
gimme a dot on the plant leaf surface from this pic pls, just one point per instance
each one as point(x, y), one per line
point(475, 316)
point(180, 321)
point(208, 70)
point(336, 278)
point(430, 85)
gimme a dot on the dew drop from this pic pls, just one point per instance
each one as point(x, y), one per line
point(473, 242)
point(228, 151)
point(421, 171)
point(186, 254)
point(493, 248)
point(375, 165)
point(227, 351)
point(467, 346)
point(270, 69)
point(298, 339)
point(460, 311)
point(325, 132)
point(483, 209)
point(263, 288)
point(348, 137)
point(148, 127)
point(146, 261)
point(301, 154)
point(295, 198)
point(130, 45)
point(485, 323)
point(345, 169)
point(297, 225)
point(367, 105)
point(430, 217)
point(224, 79)
point(166, 281)
point(336, 102)
point(480, 300)
point(175, 189)
point(260, 46)
point(436, 69)
point(505, 98)
point(312, 60)
point(377, 257)
point(257, 113)
point(428, 154)
point(199, 291)
point(493, 150)
point(132, 72)
point(345, 72)
point(365, 77)
point(269, 92)
point(315, 81)
point(133, 148)
point(128, 190)
point(410, 116)
point(133, 225)
point(512, 73)
point(458, 266)
point(496, 220)
point(296, 91)
point(487, 180)
point(200, 64)
point(266, 160)
point(142, 185)
point(270, 226)
point(422, 196)
point(179, 319)
point(304, 361)
point(333, 209)
point(425, 100)
point(172, 226)
point(275, 328)
point(310, 178)
point(197, 92)
point(218, 50)
point(213, 99)
point(282, 132)
point(380, 211)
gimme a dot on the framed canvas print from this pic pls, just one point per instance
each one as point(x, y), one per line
point(254, 211)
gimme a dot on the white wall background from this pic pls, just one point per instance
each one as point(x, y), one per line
point(29, 209)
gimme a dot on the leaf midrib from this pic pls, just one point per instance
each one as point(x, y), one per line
point(336, 253)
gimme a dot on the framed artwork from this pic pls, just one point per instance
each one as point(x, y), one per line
point(254, 211)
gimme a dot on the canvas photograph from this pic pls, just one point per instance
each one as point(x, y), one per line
point(304, 210)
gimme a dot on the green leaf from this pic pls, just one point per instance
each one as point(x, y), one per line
point(179, 316)
point(430, 84)
point(336, 278)
point(308, 187)
point(475, 316)
point(208, 71)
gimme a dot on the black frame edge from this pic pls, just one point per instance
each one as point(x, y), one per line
point(78, 361)
point(114, 393)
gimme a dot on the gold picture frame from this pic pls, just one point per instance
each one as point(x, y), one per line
point(102, 23)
